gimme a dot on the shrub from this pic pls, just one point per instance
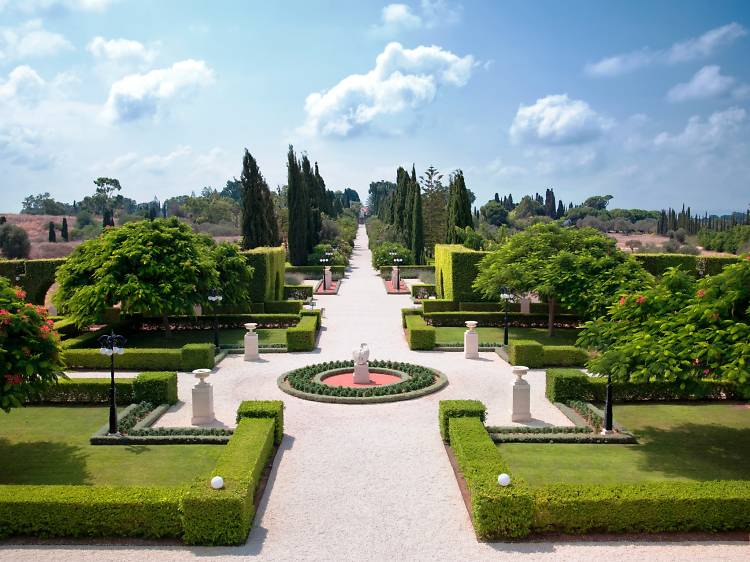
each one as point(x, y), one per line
point(315, 271)
point(133, 359)
point(82, 340)
point(456, 268)
point(85, 391)
point(421, 272)
point(283, 307)
point(197, 356)
point(206, 322)
point(418, 334)
point(224, 517)
point(302, 336)
point(657, 264)
point(439, 305)
point(422, 291)
point(448, 409)
point(267, 283)
point(157, 387)
point(37, 276)
point(264, 409)
point(90, 511)
point(14, 241)
point(497, 319)
point(381, 254)
point(484, 306)
point(408, 312)
point(316, 313)
point(528, 353)
point(497, 512)
point(564, 356)
point(649, 507)
point(298, 292)
point(563, 385)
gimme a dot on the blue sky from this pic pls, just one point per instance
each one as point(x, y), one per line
point(647, 101)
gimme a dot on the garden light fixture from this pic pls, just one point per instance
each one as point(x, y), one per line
point(506, 296)
point(503, 479)
point(215, 298)
point(111, 345)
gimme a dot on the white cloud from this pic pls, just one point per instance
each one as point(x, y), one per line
point(704, 135)
point(20, 146)
point(695, 48)
point(31, 40)
point(33, 6)
point(708, 82)
point(402, 79)
point(158, 164)
point(119, 50)
point(23, 85)
point(498, 168)
point(139, 96)
point(395, 18)
point(557, 119)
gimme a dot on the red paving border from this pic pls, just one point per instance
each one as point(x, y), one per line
point(347, 379)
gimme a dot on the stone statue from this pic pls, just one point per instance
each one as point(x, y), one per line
point(361, 355)
point(361, 369)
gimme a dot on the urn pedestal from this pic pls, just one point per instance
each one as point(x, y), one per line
point(251, 343)
point(521, 396)
point(471, 341)
point(203, 399)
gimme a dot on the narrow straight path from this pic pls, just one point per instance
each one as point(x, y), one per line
point(368, 482)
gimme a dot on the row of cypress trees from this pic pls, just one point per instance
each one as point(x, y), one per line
point(459, 208)
point(259, 225)
point(402, 209)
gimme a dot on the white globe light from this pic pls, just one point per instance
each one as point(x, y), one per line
point(503, 479)
point(217, 482)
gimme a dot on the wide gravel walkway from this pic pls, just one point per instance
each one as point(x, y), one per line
point(369, 482)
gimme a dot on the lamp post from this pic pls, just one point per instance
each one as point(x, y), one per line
point(608, 408)
point(215, 298)
point(112, 345)
point(506, 295)
point(398, 261)
point(324, 262)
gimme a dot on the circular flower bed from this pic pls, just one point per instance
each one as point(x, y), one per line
point(416, 380)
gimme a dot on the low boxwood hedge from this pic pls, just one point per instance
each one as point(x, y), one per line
point(459, 409)
point(302, 336)
point(283, 307)
point(153, 387)
point(418, 334)
point(250, 409)
point(497, 319)
point(528, 353)
point(316, 313)
point(206, 321)
point(159, 387)
point(197, 356)
point(132, 359)
point(422, 291)
point(564, 356)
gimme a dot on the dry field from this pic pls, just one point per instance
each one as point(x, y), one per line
point(652, 240)
point(37, 227)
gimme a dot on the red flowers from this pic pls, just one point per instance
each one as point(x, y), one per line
point(623, 300)
point(706, 371)
point(13, 379)
point(641, 299)
point(701, 293)
point(20, 293)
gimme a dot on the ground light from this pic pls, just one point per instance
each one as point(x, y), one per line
point(111, 345)
point(215, 298)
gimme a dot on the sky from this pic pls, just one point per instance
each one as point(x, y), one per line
point(647, 101)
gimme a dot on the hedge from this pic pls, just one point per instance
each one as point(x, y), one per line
point(206, 322)
point(316, 271)
point(409, 312)
point(497, 512)
point(38, 276)
point(302, 336)
point(423, 291)
point(418, 334)
point(90, 511)
point(153, 387)
point(158, 387)
point(303, 292)
point(528, 353)
point(264, 409)
point(497, 319)
point(650, 507)
point(197, 356)
point(564, 356)
point(406, 271)
point(456, 267)
point(315, 312)
point(439, 305)
point(190, 356)
point(657, 264)
point(224, 517)
point(83, 339)
point(564, 385)
point(283, 307)
point(267, 283)
point(448, 409)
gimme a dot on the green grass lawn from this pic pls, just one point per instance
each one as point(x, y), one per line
point(179, 338)
point(49, 445)
point(495, 335)
point(676, 442)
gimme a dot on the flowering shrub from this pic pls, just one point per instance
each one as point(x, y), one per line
point(30, 357)
point(681, 329)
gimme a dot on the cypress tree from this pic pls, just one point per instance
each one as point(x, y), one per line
point(560, 210)
point(64, 229)
point(52, 236)
point(314, 221)
point(298, 211)
point(459, 208)
point(417, 237)
point(256, 231)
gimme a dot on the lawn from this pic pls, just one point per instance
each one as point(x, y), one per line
point(234, 337)
point(676, 442)
point(454, 336)
point(49, 445)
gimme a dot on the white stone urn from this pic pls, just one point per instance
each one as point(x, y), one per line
point(251, 342)
point(471, 324)
point(471, 340)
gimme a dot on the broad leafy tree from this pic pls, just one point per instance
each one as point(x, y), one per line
point(579, 268)
point(30, 359)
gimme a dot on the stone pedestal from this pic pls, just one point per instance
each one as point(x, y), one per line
point(521, 396)
point(251, 343)
point(361, 373)
point(471, 341)
point(395, 279)
point(327, 278)
point(525, 306)
point(203, 399)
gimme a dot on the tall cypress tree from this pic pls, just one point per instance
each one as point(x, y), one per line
point(459, 207)
point(417, 237)
point(256, 230)
point(299, 211)
point(560, 210)
point(52, 236)
point(314, 220)
point(64, 229)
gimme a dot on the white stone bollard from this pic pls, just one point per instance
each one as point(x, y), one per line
point(328, 278)
point(471, 340)
point(251, 342)
point(525, 306)
point(521, 396)
point(203, 399)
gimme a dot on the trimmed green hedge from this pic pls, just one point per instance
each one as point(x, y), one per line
point(153, 387)
point(418, 334)
point(497, 512)
point(206, 322)
point(406, 271)
point(528, 353)
point(302, 336)
point(439, 305)
point(38, 278)
point(90, 511)
point(197, 356)
point(409, 312)
point(224, 517)
point(283, 307)
point(157, 387)
point(651, 507)
point(316, 271)
point(264, 409)
point(303, 292)
point(564, 356)
point(564, 385)
point(456, 267)
point(448, 409)
point(132, 359)
point(497, 319)
point(317, 313)
point(423, 291)
point(657, 264)
point(82, 340)
point(267, 283)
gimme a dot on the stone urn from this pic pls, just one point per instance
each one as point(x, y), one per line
point(251, 342)
point(471, 340)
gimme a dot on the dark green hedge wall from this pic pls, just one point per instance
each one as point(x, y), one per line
point(38, 278)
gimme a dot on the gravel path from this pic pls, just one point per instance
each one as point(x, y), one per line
point(370, 482)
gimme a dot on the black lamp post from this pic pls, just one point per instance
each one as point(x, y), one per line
point(398, 261)
point(215, 298)
point(608, 407)
point(112, 345)
point(506, 296)
point(324, 262)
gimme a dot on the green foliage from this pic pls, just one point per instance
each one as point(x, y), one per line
point(268, 273)
point(14, 242)
point(36, 276)
point(224, 517)
point(448, 409)
point(299, 210)
point(440, 305)
point(156, 387)
point(320, 251)
point(90, 511)
point(85, 391)
point(677, 331)
point(315, 313)
point(497, 512)
point(651, 507)
point(302, 336)
point(494, 213)
point(299, 292)
point(456, 268)
point(459, 207)
point(422, 291)
point(130, 264)
point(381, 255)
point(273, 409)
point(418, 334)
point(235, 275)
point(497, 319)
point(658, 264)
point(315, 271)
point(30, 352)
point(44, 204)
point(283, 307)
point(564, 356)
point(259, 226)
point(564, 385)
point(197, 356)
point(132, 359)
point(734, 240)
point(526, 352)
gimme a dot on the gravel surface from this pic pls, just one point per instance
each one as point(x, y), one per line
point(370, 482)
